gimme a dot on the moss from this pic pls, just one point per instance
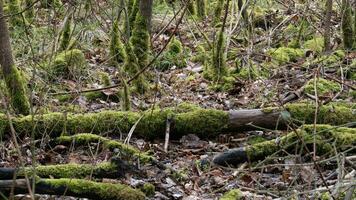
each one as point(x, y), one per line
point(201, 8)
point(132, 15)
point(315, 44)
point(219, 68)
point(69, 64)
point(253, 72)
point(323, 86)
point(255, 139)
point(234, 194)
point(148, 189)
point(191, 7)
point(140, 40)
point(93, 189)
point(346, 25)
point(66, 33)
point(174, 56)
point(126, 103)
point(218, 11)
point(30, 12)
point(201, 55)
point(50, 3)
point(328, 114)
point(117, 51)
point(17, 91)
point(105, 79)
point(283, 55)
point(71, 170)
point(326, 135)
point(85, 138)
point(15, 10)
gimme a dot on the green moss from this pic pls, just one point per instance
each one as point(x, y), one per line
point(85, 139)
point(30, 12)
point(218, 11)
point(69, 64)
point(140, 40)
point(326, 135)
point(234, 194)
point(66, 33)
point(105, 79)
point(125, 96)
point(201, 55)
point(323, 86)
point(346, 25)
point(255, 139)
point(219, 68)
point(283, 55)
point(174, 56)
point(71, 170)
point(50, 3)
point(14, 9)
point(191, 7)
point(94, 189)
point(328, 114)
point(16, 88)
point(117, 51)
point(148, 189)
point(132, 15)
point(201, 8)
point(253, 72)
point(315, 44)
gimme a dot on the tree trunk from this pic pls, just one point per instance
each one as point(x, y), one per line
point(327, 33)
point(14, 82)
point(146, 11)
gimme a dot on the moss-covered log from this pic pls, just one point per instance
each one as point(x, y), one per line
point(114, 169)
point(186, 119)
point(74, 187)
point(326, 138)
point(85, 138)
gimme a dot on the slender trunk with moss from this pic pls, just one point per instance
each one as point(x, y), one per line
point(219, 56)
point(218, 11)
point(327, 24)
point(201, 8)
point(117, 52)
point(346, 25)
point(66, 33)
point(126, 103)
point(132, 16)
point(191, 7)
point(14, 82)
point(146, 11)
point(30, 12)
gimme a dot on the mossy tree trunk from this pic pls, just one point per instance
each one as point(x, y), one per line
point(346, 25)
point(14, 82)
point(73, 187)
point(327, 24)
point(146, 11)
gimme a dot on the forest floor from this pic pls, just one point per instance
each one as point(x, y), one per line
point(273, 178)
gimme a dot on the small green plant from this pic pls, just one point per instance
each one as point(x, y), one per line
point(218, 11)
point(69, 64)
point(191, 7)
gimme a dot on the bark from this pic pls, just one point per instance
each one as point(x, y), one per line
point(14, 82)
point(327, 33)
point(146, 11)
point(74, 187)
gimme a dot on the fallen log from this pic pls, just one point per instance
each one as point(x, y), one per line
point(73, 187)
point(87, 138)
point(185, 119)
point(327, 137)
point(114, 169)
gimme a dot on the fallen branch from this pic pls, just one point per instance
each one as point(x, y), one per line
point(73, 187)
point(326, 135)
